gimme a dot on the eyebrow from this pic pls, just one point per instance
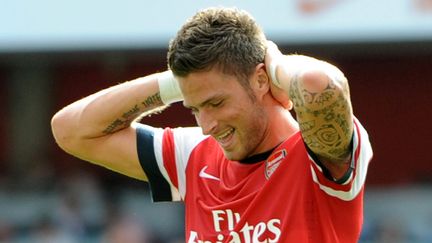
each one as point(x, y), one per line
point(204, 103)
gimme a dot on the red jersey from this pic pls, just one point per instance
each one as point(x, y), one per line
point(285, 195)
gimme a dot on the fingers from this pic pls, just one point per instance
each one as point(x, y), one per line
point(272, 60)
point(281, 96)
point(271, 45)
point(272, 49)
point(273, 54)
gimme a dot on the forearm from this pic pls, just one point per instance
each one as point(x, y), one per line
point(320, 95)
point(109, 110)
point(116, 108)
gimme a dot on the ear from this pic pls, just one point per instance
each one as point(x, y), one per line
point(260, 81)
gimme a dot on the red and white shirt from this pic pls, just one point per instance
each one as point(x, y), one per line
point(285, 195)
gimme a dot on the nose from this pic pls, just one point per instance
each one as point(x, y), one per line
point(206, 121)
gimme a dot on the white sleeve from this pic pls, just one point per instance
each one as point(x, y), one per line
point(361, 156)
point(164, 154)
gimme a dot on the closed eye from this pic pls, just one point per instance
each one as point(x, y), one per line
point(216, 104)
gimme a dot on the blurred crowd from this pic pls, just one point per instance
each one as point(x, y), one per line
point(82, 208)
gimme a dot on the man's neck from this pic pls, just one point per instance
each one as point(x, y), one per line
point(281, 126)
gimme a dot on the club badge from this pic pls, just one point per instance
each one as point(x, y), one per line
point(273, 162)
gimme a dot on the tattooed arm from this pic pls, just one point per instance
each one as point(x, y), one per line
point(100, 128)
point(320, 94)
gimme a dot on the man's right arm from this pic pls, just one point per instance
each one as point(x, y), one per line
point(101, 128)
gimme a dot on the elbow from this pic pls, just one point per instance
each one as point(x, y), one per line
point(318, 75)
point(315, 81)
point(62, 130)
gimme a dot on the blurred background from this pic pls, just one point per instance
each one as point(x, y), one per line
point(55, 52)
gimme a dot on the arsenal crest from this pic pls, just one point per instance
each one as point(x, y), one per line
point(273, 162)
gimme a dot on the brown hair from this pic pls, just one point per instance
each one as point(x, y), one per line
point(224, 37)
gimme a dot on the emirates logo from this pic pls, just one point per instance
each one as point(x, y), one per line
point(273, 162)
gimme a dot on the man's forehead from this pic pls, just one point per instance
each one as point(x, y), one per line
point(202, 81)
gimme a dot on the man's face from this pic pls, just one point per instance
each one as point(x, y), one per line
point(224, 109)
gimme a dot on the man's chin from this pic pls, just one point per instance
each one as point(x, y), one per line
point(233, 156)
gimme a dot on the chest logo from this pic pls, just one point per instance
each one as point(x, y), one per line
point(205, 175)
point(273, 162)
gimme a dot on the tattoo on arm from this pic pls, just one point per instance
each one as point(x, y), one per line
point(152, 101)
point(127, 117)
point(325, 118)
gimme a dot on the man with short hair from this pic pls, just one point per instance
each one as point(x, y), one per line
point(250, 172)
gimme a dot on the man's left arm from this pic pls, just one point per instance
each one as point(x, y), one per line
point(320, 95)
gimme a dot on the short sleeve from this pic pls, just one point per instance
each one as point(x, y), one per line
point(350, 186)
point(164, 155)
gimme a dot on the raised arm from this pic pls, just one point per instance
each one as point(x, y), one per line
point(320, 94)
point(100, 128)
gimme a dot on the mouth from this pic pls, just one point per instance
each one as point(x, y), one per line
point(225, 138)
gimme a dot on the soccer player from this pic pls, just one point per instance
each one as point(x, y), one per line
point(249, 172)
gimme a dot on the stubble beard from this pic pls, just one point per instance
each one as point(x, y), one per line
point(251, 136)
